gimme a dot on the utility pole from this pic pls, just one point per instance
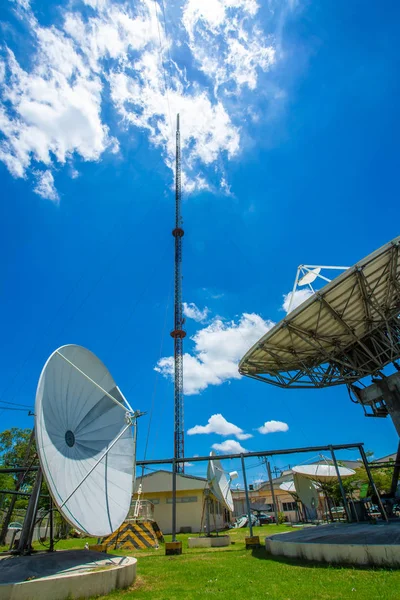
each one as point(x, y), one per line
point(178, 333)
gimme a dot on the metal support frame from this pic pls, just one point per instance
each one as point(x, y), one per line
point(342, 491)
point(51, 517)
point(258, 454)
point(241, 456)
point(372, 483)
point(207, 507)
point(271, 485)
point(18, 484)
point(25, 540)
point(348, 352)
point(303, 270)
point(246, 491)
point(396, 473)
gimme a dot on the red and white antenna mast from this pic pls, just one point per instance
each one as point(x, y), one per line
point(178, 333)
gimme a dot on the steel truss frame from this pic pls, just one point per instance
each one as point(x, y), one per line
point(344, 357)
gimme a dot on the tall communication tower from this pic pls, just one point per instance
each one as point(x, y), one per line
point(178, 333)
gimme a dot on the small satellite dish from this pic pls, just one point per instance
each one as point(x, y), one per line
point(309, 277)
point(288, 486)
point(84, 440)
point(219, 484)
point(322, 473)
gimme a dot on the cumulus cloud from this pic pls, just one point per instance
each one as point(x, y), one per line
point(273, 427)
point(227, 42)
point(191, 311)
point(217, 351)
point(51, 108)
point(299, 297)
point(229, 447)
point(45, 186)
point(218, 424)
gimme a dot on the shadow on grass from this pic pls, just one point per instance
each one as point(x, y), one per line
point(262, 554)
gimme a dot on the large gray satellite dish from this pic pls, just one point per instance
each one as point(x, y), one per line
point(219, 483)
point(84, 440)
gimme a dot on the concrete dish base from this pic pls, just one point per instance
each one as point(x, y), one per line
point(354, 544)
point(209, 542)
point(65, 574)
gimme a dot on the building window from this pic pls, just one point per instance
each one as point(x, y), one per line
point(155, 500)
point(289, 506)
point(183, 499)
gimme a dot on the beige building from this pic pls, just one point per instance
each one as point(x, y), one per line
point(261, 496)
point(190, 495)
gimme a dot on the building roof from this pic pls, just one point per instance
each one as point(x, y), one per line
point(387, 458)
point(170, 473)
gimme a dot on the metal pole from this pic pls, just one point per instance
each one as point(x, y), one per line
point(372, 482)
point(396, 473)
point(29, 521)
point(51, 548)
point(345, 505)
point(207, 499)
point(258, 454)
point(271, 485)
point(174, 501)
point(247, 496)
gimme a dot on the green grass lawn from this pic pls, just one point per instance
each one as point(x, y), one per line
point(236, 573)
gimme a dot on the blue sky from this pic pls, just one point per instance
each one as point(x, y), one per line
point(289, 130)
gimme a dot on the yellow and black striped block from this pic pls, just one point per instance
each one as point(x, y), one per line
point(135, 534)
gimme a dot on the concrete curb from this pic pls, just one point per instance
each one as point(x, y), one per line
point(352, 554)
point(73, 586)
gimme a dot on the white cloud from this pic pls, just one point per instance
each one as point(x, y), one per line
point(55, 107)
point(227, 43)
point(45, 186)
point(217, 351)
point(188, 464)
point(300, 296)
point(52, 110)
point(273, 427)
point(229, 447)
point(191, 311)
point(218, 424)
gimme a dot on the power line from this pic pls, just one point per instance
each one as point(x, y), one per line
point(15, 404)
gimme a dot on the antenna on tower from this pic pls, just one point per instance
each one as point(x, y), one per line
point(178, 333)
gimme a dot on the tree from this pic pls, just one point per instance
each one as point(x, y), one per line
point(382, 478)
point(17, 448)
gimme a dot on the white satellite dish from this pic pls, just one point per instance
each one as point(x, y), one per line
point(219, 484)
point(323, 473)
point(288, 486)
point(83, 427)
point(309, 277)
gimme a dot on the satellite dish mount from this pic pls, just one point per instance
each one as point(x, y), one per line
point(307, 274)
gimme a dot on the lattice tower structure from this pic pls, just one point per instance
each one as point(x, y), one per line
point(178, 332)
